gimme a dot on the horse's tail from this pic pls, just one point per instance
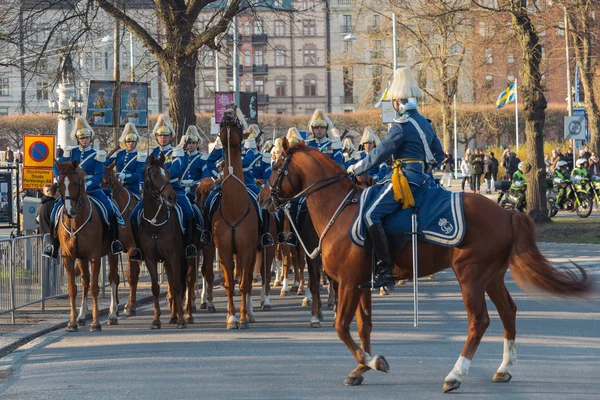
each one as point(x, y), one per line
point(530, 268)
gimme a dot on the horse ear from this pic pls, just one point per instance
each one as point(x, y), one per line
point(75, 164)
point(111, 166)
point(286, 146)
point(151, 158)
point(161, 158)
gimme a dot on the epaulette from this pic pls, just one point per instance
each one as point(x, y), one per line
point(204, 156)
point(67, 152)
point(101, 156)
point(402, 119)
point(178, 152)
point(266, 157)
point(142, 157)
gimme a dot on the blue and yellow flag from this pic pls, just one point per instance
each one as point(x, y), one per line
point(383, 97)
point(507, 96)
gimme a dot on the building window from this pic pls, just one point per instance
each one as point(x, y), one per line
point(309, 28)
point(280, 87)
point(259, 28)
point(259, 86)
point(124, 62)
point(310, 56)
point(280, 112)
point(482, 29)
point(98, 60)
point(247, 58)
point(88, 61)
point(258, 57)
point(489, 81)
point(376, 20)
point(246, 28)
point(4, 87)
point(3, 111)
point(308, 5)
point(209, 88)
point(149, 90)
point(248, 86)
point(230, 86)
point(347, 25)
point(41, 90)
point(377, 52)
point(310, 86)
point(511, 59)
point(347, 47)
point(280, 55)
point(279, 28)
point(208, 58)
point(543, 51)
point(488, 56)
point(377, 81)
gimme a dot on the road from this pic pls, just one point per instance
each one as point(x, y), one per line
point(280, 357)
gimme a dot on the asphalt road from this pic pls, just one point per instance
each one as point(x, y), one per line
point(280, 357)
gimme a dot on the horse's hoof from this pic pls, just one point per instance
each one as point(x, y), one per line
point(203, 306)
point(194, 309)
point(130, 312)
point(381, 364)
point(432, 276)
point(400, 282)
point(306, 303)
point(354, 380)
point(266, 307)
point(181, 325)
point(173, 320)
point(330, 306)
point(451, 385)
point(383, 291)
point(300, 292)
point(251, 319)
point(189, 319)
point(244, 325)
point(276, 284)
point(211, 309)
point(233, 325)
point(113, 321)
point(155, 325)
point(315, 324)
point(95, 328)
point(283, 293)
point(72, 327)
point(81, 322)
point(502, 377)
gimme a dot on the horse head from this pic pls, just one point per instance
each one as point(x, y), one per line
point(203, 190)
point(71, 182)
point(232, 122)
point(109, 180)
point(157, 182)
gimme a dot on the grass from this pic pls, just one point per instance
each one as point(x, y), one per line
point(570, 230)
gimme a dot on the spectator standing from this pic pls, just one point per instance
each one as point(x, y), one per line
point(9, 155)
point(513, 164)
point(466, 169)
point(594, 167)
point(569, 159)
point(477, 165)
point(44, 209)
point(488, 170)
point(494, 169)
point(447, 169)
point(18, 157)
point(556, 157)
point(586, 152)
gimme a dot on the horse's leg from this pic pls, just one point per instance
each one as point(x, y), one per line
point(299, 266)
point(266, 266)
point(85, 287)
point(133, 278)
point(178, 264)
point(69, 264)
point(349, 298)
point(296, 267)
point(314, 281)
point(96, 267)
point(151, 265)
point(472, 280)
point(331, 294)
point(287, 260)
point(226, 261)
point(364, 326)
point(208, 277)
point(245, 262)
point(114, 279)
point(507, 310)
point(278, 268)
point(191, 279)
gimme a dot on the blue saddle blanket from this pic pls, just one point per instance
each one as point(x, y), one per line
point(178, 213)
point(440, 217)
point(216, 200)
point(100, 207)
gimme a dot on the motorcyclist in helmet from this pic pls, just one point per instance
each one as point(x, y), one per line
point(580, 173)
point(560, 177)
point(519, 185)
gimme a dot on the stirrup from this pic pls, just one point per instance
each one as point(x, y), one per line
point(205, 237)
point(116, 247)
point(291, 240)
point(266, 240)
point(48, 251)
point(191, 251)
point(136, 255)
point(281, 237)
point(379, 281)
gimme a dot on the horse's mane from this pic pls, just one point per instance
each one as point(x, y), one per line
point(69, 167)
point(319, 157)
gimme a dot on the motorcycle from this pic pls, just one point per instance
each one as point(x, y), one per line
point(595, 190)
point(508, 199)
point(579, 196)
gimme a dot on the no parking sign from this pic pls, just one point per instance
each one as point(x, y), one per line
point(38, 151)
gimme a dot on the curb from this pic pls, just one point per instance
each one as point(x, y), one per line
point(32, 332)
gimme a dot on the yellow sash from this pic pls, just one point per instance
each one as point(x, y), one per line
point(401, 186)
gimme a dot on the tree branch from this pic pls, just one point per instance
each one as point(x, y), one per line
point(209, 35)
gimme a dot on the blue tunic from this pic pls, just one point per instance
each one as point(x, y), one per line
point(402, 142)
point(194, 172)
point(130, 167)
point(377, 172)
point(325, 145)
point(213, 159)
point(94, 172)
point(262, 168)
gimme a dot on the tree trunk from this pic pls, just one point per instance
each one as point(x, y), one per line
point(180, 74)
point(534, 106)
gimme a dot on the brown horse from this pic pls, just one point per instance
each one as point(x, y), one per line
point(161, 238)
point(235, 224)
point(208, 252)
point(494, 239)
point(126, 202)
point(78, 230)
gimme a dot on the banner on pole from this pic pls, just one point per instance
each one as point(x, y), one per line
point(134, 104)
point(100, 103)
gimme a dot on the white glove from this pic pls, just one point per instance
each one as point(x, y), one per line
point(122, 177)
point(87, 184)
point(187, 182)
point(351, 168)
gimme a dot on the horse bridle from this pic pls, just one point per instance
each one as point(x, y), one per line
point(77, 199)
point(156, 193)
point(279, 202)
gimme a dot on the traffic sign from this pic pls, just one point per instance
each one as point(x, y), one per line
point(575, 127)
point(39, 151)
point(35, 178)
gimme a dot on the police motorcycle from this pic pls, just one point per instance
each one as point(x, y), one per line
point(576, 193)
point(594, 186)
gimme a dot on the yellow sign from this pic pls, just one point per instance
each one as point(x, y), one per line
point(35, 178)
point(38, 151)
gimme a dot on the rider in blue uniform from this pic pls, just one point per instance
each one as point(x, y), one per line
point(415, 148)
point(196, 166)
point(349, 152)
point(323, 138)
point(91, 162)
point(262, 169)
point(129, 162)
point(293, 136)
point(368, 142)
point(175, 162)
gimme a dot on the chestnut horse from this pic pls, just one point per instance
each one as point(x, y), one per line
point(161, 238)
point(78, 230)
point(126, 202)
point(494, 239)
point(208, 252)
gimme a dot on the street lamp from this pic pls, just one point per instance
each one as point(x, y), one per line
point(74, 107)
point(350, 37)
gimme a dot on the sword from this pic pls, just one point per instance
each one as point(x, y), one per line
point(344, 135)
point(414, 234)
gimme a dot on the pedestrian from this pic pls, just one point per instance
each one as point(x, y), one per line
point(594, 167)
point(494, 169)
point(477, 165)
point(586, 152)
point(447, 168)
point(9, 155)
point(505, 161)
point(44, 209)
point(467, 170)
point(547, 161)
point(18, 157)
point(488, 169)
point(556, 157)
point(569, 159)
point(513, 164)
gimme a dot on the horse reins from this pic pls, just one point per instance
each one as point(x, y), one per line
point(156, 194)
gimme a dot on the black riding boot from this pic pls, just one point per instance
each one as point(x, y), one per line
point(115, 245)
point(136, 253)
point(266, 240)
point(384, 267)
point(188, 238)
point(51, 249)
point(279, 218)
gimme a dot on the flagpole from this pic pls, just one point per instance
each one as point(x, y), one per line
point(517, 112)
point(455, 143)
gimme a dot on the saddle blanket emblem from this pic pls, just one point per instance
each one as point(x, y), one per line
point(440, 217)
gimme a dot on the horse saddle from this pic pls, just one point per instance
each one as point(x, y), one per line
point(440, 218)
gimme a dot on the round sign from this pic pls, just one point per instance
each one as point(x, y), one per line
point(574, 128)
point(38, 151)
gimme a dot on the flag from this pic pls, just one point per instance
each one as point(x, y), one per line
point(507, 96)
point(382, 98)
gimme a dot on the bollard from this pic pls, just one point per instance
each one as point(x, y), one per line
point(43, 281)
